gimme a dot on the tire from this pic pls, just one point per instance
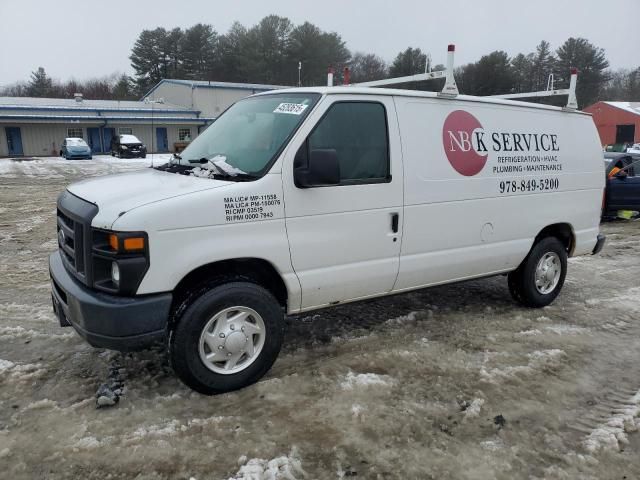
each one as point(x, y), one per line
point(143, 156)
point(113, 153)
point(213, 304)
point(532, 284)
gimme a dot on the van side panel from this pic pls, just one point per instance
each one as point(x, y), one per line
point(481, 184)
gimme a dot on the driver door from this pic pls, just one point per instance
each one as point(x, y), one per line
point(345, 239)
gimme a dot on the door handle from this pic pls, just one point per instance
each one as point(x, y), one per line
point(394, 222)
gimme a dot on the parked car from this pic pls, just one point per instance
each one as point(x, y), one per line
point(623, 183)
point(75, 148)
point(635, 148)
point(300, 199)
point(128, 146)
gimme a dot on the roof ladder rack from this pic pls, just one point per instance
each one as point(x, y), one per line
point(572, 102)
point(450, 89)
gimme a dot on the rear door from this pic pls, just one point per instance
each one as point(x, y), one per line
point(345, 240)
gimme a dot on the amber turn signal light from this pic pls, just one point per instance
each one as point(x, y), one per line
point(134, 243)
point(113, 242)
point(127, 245)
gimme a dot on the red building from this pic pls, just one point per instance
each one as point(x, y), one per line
point(617, 122)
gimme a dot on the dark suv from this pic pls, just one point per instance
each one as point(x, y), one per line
point(127, 146)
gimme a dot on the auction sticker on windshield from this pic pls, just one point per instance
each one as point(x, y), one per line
point(290, 108)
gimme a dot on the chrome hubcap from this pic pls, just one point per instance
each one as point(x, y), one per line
point(548, 273)
point(232, 340)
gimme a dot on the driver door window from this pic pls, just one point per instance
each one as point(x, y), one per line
point(358, 132)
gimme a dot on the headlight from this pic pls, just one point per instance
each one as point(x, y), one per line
point(119, 261)
point(115, 273)
point(124, 147)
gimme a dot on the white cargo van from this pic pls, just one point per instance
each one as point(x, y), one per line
point(300, 199)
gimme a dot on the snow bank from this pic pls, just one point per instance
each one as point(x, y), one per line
point(529, 333)
point(473, 410)
point(538, 361)
point(286, 467)
point(353, 380)
point(567, 329)
point(613, 433)
point(27, 371)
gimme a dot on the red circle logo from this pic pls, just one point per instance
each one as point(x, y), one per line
point(460, 144)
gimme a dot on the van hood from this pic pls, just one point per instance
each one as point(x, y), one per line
point(117, 194)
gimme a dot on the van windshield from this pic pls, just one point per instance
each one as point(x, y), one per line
point(249, 135)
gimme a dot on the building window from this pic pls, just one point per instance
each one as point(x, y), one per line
point(184, 134)
point(125, 131)
point(74, 133)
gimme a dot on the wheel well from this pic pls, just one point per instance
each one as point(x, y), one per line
point(253, 269)
point(561, 231)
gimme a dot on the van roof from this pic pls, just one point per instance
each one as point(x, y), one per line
point(397, 92)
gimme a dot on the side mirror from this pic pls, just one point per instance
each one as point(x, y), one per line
point(322, 169)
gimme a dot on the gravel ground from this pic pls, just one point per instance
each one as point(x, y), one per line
point(449, 382)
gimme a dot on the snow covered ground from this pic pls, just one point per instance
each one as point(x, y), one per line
point(59, 168)
point(451, 382)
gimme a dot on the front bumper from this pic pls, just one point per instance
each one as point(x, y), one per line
point(107, 321)
point(599, 244)
point(132, 154)
point(78, 154)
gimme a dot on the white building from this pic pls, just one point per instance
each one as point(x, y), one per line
point(209, 98)
point(37, 126)
point(174, 111)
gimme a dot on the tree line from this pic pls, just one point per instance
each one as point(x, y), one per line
point(40, 84)
point(272, 51)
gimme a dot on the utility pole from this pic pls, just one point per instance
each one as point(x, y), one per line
point(299, 74)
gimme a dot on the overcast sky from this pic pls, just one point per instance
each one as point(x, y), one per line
point(84, 39)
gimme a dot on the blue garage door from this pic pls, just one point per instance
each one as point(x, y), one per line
point(14, 141)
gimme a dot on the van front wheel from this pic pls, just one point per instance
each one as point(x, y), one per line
point(538, 280)
point(226, 338)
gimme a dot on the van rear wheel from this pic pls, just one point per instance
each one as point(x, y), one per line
point(540, 277)
point(226, 338)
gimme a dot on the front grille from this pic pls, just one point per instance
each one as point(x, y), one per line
point(74, 217)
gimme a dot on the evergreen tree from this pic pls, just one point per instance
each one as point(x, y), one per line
point(265, 50)
point(156, 55)
point(123, 89)
point(542, 66)
point(409, 62)
point(231, 47)
point(592, 69)
point(523, 67)
point(199, 52)
point(317, 50)
point(491, 75)
point(40, 85)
